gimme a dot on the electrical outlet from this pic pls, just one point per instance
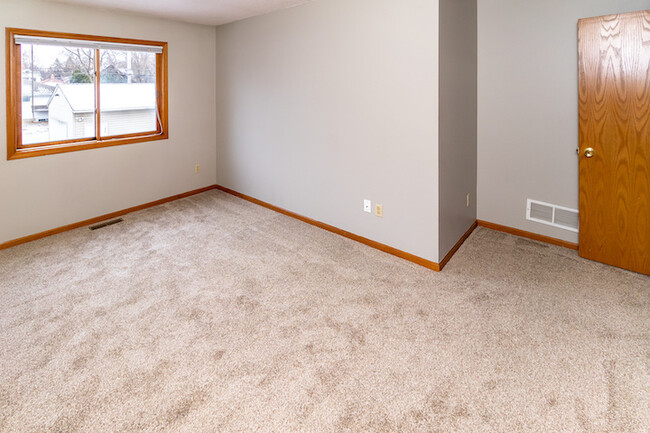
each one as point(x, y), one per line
point(467, 199)
point(197, 168)
point(379, 210)
point(367, 206)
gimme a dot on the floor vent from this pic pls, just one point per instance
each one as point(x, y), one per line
point(105, 224)
point(552, 215)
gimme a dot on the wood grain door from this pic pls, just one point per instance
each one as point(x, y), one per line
point(614, 108)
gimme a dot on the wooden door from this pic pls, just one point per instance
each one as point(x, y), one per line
point(614, 108)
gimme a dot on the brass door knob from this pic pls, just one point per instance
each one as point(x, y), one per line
point(589, 152)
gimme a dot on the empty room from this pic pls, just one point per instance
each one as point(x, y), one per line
point(325, 216)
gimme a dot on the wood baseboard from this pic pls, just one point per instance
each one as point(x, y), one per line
point(95, 220)
point(369, 242)
point(528, 235)
point(460, 242)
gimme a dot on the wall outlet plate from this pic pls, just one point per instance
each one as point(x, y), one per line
point(367, 206)
point(379, 210)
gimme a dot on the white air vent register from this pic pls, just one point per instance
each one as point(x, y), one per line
point(552, 215)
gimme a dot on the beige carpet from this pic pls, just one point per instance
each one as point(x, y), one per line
point(211, 314)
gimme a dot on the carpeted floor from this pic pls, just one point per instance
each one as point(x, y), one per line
point(211, 314)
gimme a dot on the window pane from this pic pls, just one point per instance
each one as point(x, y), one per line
point(127, 92)
point(58, 94)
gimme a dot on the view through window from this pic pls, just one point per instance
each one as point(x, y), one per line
point(70, 86)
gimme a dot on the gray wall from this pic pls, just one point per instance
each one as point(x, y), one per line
point(37, 194)
point(457, 120)
point(332, 102)
point(528, 107)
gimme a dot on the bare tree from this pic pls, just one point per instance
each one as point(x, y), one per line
point(82, 59)
point(143, 66)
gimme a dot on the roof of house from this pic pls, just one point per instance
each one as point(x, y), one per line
point(114, 96)
point(52, 81)
point(41, 101)
point(42, 89)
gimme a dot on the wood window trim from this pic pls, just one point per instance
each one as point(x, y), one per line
point(15, 150)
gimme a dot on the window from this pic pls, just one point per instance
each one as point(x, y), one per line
point(68, 92)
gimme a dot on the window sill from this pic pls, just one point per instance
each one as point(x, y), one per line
point(28, 152)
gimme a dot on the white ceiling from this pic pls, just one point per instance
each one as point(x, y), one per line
point(211, 12)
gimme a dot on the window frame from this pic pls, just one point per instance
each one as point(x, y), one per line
point(15, 148)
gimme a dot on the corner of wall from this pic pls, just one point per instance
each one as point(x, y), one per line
point(458, 121)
